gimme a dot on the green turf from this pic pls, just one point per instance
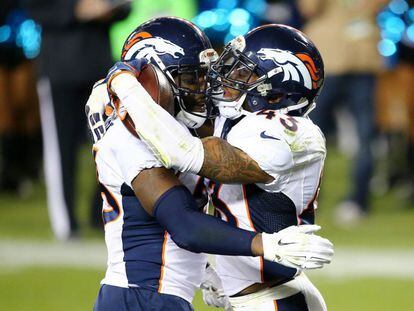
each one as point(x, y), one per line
point(367, 294)
point(50, 289)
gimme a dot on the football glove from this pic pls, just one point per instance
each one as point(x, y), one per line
point(134, 66)
point(298, 247)
point(95, 109)
point(212, 289)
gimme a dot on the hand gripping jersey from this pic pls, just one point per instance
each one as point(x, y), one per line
point(290, 149)
point(140, 252)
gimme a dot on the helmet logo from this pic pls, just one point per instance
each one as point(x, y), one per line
point(150, 47)
point(296, 67)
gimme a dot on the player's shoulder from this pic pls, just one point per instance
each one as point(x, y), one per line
point(263, 141)
point(260, 124)
point(277, 124)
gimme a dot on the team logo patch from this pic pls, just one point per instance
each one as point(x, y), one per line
point(296, 67)
point(144, 45)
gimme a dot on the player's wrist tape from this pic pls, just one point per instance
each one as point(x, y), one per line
point(172, 144)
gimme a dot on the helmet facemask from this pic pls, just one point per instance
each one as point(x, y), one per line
point(191, 88)
point(237, 77)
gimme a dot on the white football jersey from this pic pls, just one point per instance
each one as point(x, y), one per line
point(140, 252)
point(290, 149)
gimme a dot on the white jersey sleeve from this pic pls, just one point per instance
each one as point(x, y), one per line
point(282, 146)
point(264, 143)
point(129, 154)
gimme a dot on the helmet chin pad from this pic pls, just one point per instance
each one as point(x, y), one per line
point(230, 109)
point(190, 120)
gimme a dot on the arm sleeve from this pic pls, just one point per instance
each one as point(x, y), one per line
point(198, 232)
point(172, 144)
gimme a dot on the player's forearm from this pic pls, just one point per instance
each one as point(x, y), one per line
point(177, 212)
point(228, 164)
point(170, 142)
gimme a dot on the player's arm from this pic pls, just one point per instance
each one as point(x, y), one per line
point(159, 192)
point(172, 204)
point(164, 197)
point(175, 147)
point(228, 164)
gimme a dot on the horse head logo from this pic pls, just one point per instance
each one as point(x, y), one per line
point(143, 45)
point(295, 67)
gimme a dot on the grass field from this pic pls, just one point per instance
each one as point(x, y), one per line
point(33, 287)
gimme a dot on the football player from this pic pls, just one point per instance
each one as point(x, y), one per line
point(268, 81)
point(146, 208)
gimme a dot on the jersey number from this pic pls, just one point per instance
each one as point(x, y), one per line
point(290, 123)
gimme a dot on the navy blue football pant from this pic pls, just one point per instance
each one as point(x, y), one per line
point(357, 93)
point(113, 298)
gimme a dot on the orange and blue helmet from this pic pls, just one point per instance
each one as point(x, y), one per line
point(272, 67)
point(181, 50)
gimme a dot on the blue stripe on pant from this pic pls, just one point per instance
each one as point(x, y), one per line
point(113, 298)
point(296, 302)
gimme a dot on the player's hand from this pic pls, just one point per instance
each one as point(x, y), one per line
point(121, 77)
point(298, 247)
point(95, 110)
point(132, 67)
point(212, 289)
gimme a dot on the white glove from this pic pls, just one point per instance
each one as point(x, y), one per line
point(297, 247)
point(213, 293)
point(95, 110)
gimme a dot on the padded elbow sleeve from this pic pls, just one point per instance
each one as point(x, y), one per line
point(176, 211)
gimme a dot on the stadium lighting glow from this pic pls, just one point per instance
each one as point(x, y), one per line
point(387, 48)
point(410, 32)
point(206, 19)
point(222, 20)
point(383, 17)
point(398, 6)
point(28, 37)
point(393, 36)
point(5, 33)
point(227, 4)
point(239, 17)
point(237, 30)
point(256, 7)
point(395, 25)
point(411, 14)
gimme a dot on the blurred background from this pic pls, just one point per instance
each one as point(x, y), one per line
point(52, 252)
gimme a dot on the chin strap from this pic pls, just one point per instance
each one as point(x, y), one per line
point(190, 120)
point(231, 109)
